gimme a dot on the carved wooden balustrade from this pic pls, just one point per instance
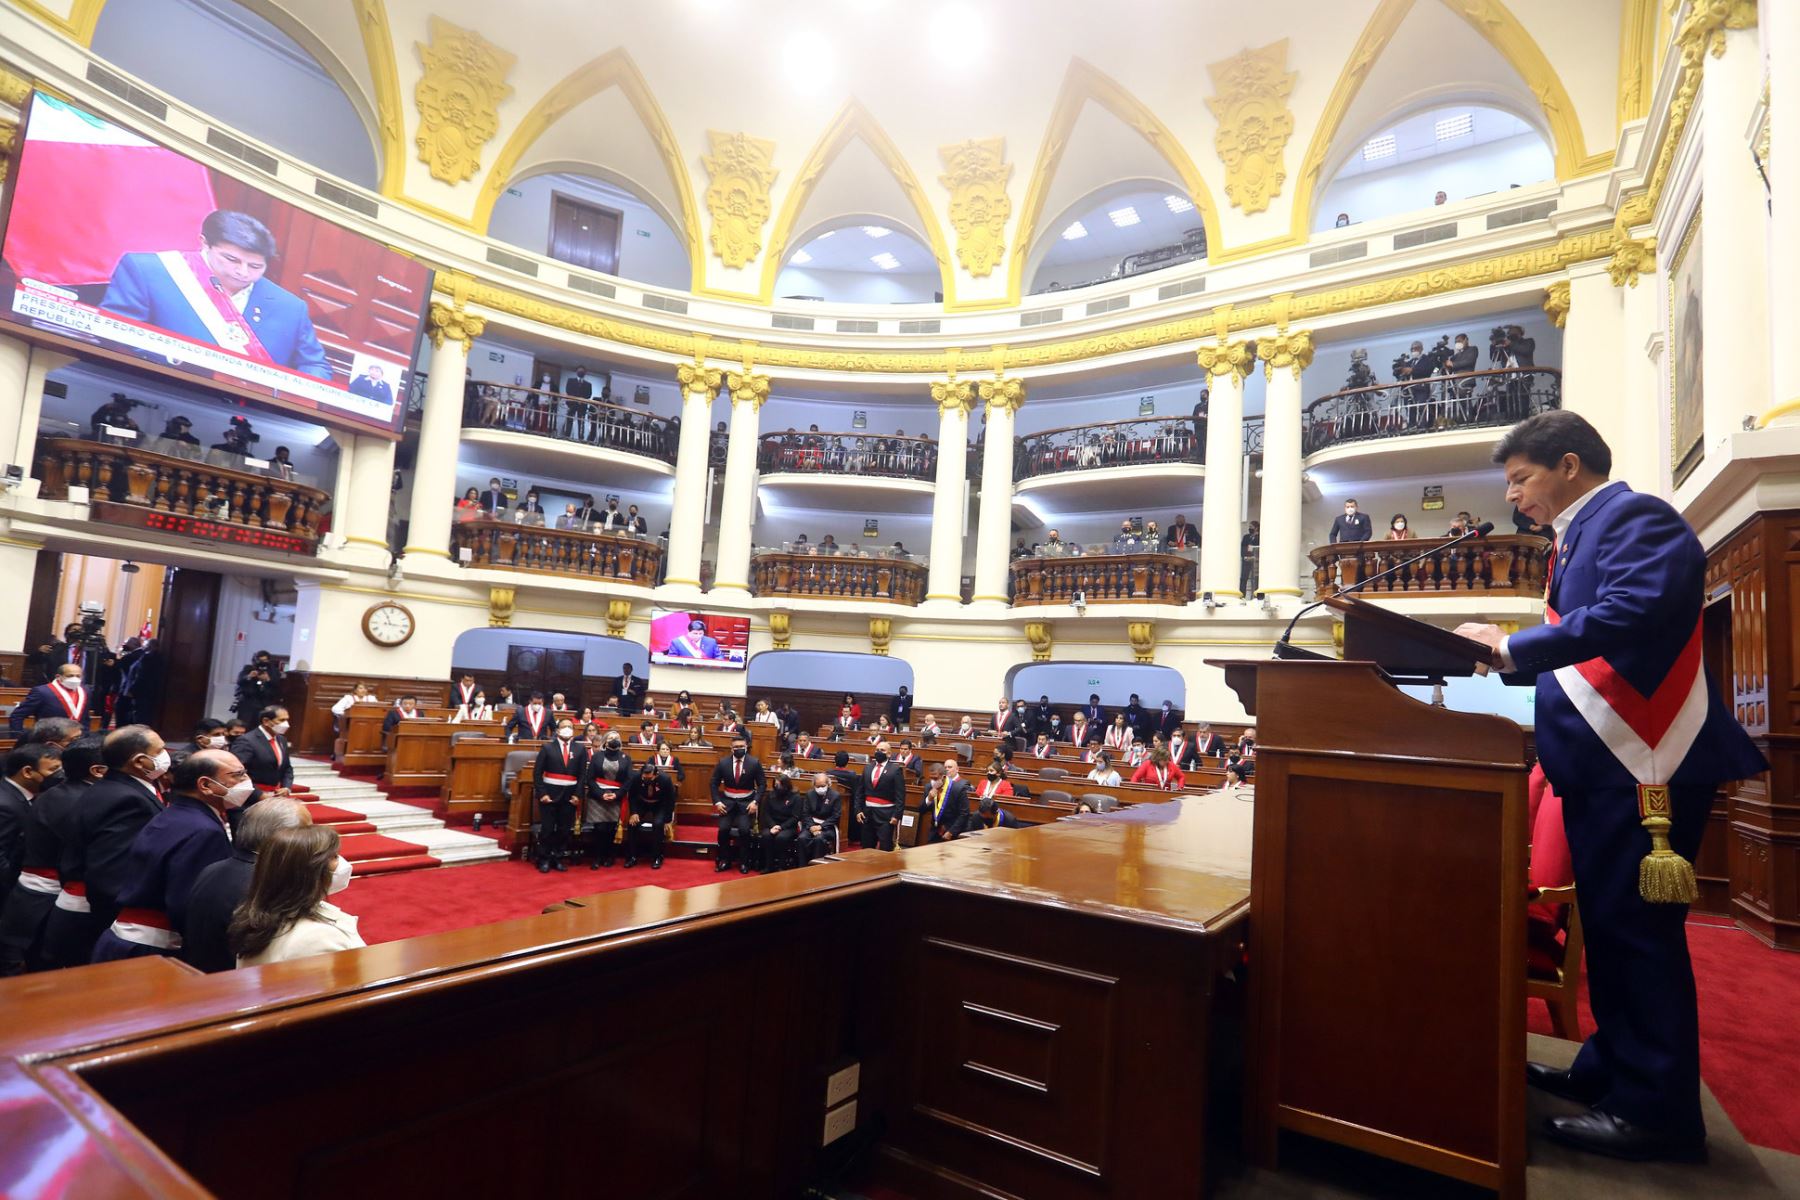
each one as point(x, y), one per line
point(838, 577)
point(502, 545)
point(1506, 565)
point(1104, 579)
point(128, 486)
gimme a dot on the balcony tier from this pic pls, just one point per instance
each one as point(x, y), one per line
point(1138, 577)
point(882, 580)
point(505, 546)
point(1505, 565)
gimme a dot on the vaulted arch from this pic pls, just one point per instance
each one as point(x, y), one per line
point(852, 123)
point(615, 68)
point(1082, 84)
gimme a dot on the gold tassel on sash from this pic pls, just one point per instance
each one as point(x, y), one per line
point(1664, 877)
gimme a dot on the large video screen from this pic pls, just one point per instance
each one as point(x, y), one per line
point(146, 255)
point(691, 639)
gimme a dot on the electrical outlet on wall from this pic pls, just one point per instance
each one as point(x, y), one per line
point(839, 1121)
point(843, 1084)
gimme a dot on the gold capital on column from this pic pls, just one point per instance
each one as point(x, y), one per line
point(1556, 303)
point(953, 393)
point(781, 630)
point(1041, 635)
point(1226, 358)
point(698, 377)
point(1706, 23)
point(1002, 392)
point(746, 386)
point(1631, 257)
point(1292, 349)
point(454, 325)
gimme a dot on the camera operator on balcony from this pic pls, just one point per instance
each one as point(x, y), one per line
point(115, 412)
point(1508, 347)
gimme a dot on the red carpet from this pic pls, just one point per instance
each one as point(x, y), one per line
point(362, 847)
point(325, 814)
point(1749, 1036)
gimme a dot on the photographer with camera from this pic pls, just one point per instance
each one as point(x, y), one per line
point(1509, 348)
point(239, 437)
point(116, 412)
point(258, 687)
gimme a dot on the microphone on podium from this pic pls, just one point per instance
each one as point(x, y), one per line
point(1283, 647)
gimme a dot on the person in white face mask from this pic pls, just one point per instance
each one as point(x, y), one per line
point(264, 751)
point(286, 914)
point(220, 888)
point(169, 852)
point(209, 734)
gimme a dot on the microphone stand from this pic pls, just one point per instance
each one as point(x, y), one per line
point(1284, 647)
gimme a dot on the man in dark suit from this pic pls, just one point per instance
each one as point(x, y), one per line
point(1136, 719)
point(1096, 715)
point(578, 385)
point(1207, 743)
point(946, 803)
point(529, 720)
point(1351, 526)
point(1018, 722)
point(880, 800)
point(53, 654)
point(97, 846)
point(28, 877)
point(65, 697)
point(737, 786)
point(901, 709)
point(372, 384)
point(1167, 720)
point(463, 690)
point(1633, 736)
point(558, 779)
point(406, 710)
point(820, 810)
point(630, 691)
point(221, 887)
point(1040, 716)
point(909, 760)
point(218, 294)
point(494, 501)
point(264, 753)
point(649, 804)
point(846, 778)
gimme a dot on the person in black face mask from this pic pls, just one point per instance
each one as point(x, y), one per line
point(880, 800)
point(562, 765)
point(609, 773)
point(781, 824)
point(737, 787)
point(820, 810)
point(651, 801)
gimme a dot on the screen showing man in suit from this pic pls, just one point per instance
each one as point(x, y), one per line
point(691, 639)
point(132, 248)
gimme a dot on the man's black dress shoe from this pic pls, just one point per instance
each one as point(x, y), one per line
point(1603, 1133)
point(630, 862)
point(744, 868)
point(721, 865)
point(656, 863)
point(561, 865)
point(1557, 1082)
point(544, 867)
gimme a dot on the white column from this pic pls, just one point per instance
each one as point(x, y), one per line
point(1641, 455)
point(362, 512)
point(737, 507)
point(687, 522)
point(1594, 361)
point(993, 535)
point(440, 432)
point(1221, 527)
point(18, 562)
point(1278, 565)
point(15, 367)
point(1781, 40)
point(949, 500)
point(1735, 283)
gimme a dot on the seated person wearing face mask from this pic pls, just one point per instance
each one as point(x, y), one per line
point(781, 825)
point(820, 810)
point(737, 787)
point(562, 765)
point(650, 804)
point(286, 915)
point(609, 774)
point(169, 853)
point(264, 752)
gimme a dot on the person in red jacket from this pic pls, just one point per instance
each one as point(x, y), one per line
point(995, 784)
point(1160, 773)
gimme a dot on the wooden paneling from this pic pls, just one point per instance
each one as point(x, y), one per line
point(12, 665)
point(418, 752)
point(309, 696)
point(40, 617)
point(186, 639)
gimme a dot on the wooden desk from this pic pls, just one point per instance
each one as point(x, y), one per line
point(361, 747)
point(472, 779)
point(418, 753)
point(1031, 1008)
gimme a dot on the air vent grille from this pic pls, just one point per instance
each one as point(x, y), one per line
point(593, 287)
point(1523, 215)
point(931, 326)
point(1175, 291)
point(666, 304)
point(326, 190)
point(858, 326)
point(1419, 237)
point(789, 321)
point(1097, 308)
point(127, 91)
point(512, 262)
point(242, 151)
point(1043, 316)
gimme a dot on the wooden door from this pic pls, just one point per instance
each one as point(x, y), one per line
point(584, 235)
point(185, 638)
point(536, 668)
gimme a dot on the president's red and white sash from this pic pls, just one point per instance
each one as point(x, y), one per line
point(224, 323)
point(75, 707)
point(1649, 735)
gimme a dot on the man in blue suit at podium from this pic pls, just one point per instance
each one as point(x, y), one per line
point(218, 294)
point(1635, 740)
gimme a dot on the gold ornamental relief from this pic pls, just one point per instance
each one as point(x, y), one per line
point(1251, 104)
point(742, 171)
point(459, 99)
point(953, 393)
point(1556, 303)
point(1142, 635)
point(976, 178)
point(500, 607)
point(1291, 350)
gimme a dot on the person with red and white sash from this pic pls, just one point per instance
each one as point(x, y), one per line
point(178, 843)
point(1160, 772)
point(562, 765)
point(28, 878)
point(62, 697)
point(737, 786)
point(1633, 737)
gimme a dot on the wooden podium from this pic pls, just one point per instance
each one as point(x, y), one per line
point(1387, 908)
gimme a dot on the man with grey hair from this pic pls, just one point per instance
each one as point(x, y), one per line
point(221, 887)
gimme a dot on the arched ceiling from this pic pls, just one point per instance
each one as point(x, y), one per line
point(920, 76)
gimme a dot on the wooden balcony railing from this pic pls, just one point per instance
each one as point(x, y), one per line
point(1142, 442)
point(836, 577)
point(1505, 565)
point(569, 419)
point(182, 496)
point(815, 452)
point(1104, 579)
point(1477, 400)
point(502, 545)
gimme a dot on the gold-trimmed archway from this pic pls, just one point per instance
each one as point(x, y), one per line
point(1082, 83)
point(615, 68)
point(854, 121)
point(79, 24)
point(384, 69)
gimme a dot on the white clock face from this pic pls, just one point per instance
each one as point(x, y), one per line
point(390, 625)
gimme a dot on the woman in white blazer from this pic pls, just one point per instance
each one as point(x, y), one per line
point(286, 914)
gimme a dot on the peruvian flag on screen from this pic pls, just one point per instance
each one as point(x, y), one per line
point(86, 192)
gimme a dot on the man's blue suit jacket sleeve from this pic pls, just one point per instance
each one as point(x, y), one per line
point(126, 293)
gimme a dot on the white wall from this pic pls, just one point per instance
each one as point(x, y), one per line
point(1070, 684)
point(855, 287)
point(874, 675)
point(1484, 694)
point(486, 650)
point(238, 633)
point(649, 251)
point(1412, 186)
point(263, 84)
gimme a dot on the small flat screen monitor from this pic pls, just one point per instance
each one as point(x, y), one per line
point(691, 639)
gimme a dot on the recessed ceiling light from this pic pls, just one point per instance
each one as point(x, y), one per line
point(1178, 204)
point(1455, 127)
point(876, 231)
point(1123, 216)
point(807, 61)
point(801, 257)
point(885, 261)
point(1379, 147)
point(1075, 230)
